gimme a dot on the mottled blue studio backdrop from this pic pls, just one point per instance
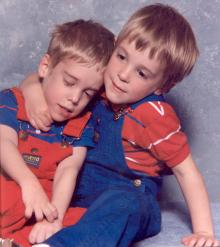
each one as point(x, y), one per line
point(24, 28)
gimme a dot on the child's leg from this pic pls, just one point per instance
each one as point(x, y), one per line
point(12, 208)
point(116, 218)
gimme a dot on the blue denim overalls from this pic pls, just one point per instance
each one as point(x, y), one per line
point(122, 204)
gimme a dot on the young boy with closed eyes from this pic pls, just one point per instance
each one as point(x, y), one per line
point(39, 169)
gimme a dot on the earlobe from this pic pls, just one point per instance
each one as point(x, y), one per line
point(44, 65)
point(158, 91)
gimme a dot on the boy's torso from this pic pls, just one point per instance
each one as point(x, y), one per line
point(42, 151)
point(107, 165)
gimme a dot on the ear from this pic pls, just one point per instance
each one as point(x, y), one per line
point(158, 91)
point(165, 89)
point(44, 66)
point(169, 86)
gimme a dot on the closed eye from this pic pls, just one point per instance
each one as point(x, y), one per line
point(69, 83)
point(121, 56)
point(90, 93)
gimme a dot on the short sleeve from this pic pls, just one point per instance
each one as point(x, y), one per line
point(87, 136)
point(8, 109)
point(167, 141)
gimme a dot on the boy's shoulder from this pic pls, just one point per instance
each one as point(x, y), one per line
point(8, 99)
point(150, 112)
point(8, 109)
point(155, 109)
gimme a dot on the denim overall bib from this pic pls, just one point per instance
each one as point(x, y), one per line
point(122, 204)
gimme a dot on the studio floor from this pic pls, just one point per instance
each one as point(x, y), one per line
point(176, 224)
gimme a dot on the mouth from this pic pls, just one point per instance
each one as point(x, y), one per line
point(65, 110)
point(117, 88)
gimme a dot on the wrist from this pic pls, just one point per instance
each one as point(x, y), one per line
point(28, 181)
point(205, 233)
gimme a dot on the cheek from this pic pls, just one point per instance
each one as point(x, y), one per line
point(112, 66)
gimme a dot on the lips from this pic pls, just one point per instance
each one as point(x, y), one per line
point(64, 110)
point(117, 88)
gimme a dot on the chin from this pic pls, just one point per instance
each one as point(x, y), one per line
point(58, 118)
point(115, 101)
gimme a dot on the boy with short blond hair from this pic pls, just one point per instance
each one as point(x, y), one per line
point(137, 135)
point(172, 41)
point(39, 169)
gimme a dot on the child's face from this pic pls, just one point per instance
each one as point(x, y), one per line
point(131, 75)
point(69, 86)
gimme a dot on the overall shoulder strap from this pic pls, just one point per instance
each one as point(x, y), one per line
point(75, 126)
point(21, 114)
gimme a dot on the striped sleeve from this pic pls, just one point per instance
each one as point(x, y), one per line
point(167, 141)
point(8, 109)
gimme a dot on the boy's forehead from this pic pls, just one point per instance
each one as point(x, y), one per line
point(143, 56)
point(90, 64)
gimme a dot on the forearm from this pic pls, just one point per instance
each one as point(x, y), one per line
point(31, 81)
point(63, 187)
point(65, 180)
point(196, 196)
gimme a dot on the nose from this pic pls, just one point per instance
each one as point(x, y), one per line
point(124, 73)
point(75, 96)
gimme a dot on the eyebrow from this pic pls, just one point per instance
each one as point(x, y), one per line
point(140, 66)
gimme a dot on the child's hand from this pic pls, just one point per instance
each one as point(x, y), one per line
point(200, 240)
point(43, 230)
point(35, 103)
point(38, 114)
point(36, 202)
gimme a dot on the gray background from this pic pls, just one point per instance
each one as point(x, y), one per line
point(24, 28)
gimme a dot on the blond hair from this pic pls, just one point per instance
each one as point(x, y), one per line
point(84, 41)
point(169, 37)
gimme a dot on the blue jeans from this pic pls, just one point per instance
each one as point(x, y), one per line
point(117, 217)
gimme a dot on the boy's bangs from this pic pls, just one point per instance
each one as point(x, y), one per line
point(143, 42)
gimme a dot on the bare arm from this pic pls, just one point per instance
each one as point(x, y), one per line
point(196, 197)
point(34, 197)
point(35, 103)
point(63, 188)
point(65, 180)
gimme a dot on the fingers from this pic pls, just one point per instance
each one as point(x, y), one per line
point(216, 243)
point(33, 123)
point(37, 235)
point(42, 230)
point(51, 213)
point(28, 212)
point(40, 119)
point(39, 214)
point(200, 241)
point(43, 123)
point(32, 236)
